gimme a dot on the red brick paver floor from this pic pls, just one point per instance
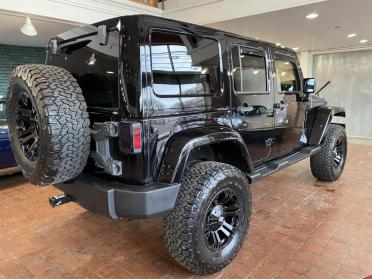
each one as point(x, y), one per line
point(301, 228)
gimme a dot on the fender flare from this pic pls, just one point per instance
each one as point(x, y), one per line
point(180, 146)
point(319, 120)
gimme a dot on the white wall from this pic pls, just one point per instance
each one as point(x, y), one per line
point(209, 11)
point(351, 87)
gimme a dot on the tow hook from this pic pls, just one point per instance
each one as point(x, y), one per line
point(59, 200)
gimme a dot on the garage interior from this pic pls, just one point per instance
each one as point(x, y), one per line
point(300, 227)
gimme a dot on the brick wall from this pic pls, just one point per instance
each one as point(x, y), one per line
point(11, 56)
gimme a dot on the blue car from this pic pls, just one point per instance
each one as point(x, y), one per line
point(8, 165)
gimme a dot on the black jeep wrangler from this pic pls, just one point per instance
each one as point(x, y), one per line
point(139, 116)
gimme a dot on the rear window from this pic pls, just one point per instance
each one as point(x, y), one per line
point(184, 65)
point(95, 68)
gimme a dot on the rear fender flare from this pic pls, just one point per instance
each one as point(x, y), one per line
point(180, 146)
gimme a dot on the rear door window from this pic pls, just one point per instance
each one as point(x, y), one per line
point(184, 65)
point(249, 70)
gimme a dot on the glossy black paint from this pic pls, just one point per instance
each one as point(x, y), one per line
point(245, 129)
point(212, 137)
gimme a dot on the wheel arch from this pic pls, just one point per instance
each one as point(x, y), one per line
point(202, 145)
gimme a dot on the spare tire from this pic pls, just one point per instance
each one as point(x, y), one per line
point(48, 123)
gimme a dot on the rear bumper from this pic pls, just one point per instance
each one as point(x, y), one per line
point(118, 200)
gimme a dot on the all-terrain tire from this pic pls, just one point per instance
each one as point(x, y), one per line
point(62, 123)
point(323, 164)
point(184, 227)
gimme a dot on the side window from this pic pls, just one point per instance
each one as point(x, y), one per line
point(184, 65)
point(249, 70)
point(286, 76)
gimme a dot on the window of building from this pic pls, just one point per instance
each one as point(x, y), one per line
point(184, 65)
point(249, 70)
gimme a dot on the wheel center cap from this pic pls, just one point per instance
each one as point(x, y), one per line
point(217, 215)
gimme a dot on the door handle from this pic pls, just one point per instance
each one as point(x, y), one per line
point(244, 109)
point(280, 105)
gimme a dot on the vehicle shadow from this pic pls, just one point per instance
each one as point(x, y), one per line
point(9, 181)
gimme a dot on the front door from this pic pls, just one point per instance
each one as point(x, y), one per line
point(288, 114)
point(252, 98)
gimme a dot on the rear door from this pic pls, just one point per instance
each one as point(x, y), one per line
point(252, 97)
point(288, 114)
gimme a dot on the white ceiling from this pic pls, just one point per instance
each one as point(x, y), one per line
point(337, 19)
point(10, 33)
point(287, 26)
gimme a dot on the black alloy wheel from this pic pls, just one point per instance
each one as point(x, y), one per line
point(222, 219)
point(339, 153)
point(27, 129)
point(208, 224)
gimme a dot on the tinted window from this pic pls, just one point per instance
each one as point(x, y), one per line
point(95, 67)
point(286, 76)
point(2, 110)
point(184, 65)
point(249, 70)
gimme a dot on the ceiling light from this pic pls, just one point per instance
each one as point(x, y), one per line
point(283, 74)
point(363, 41)
point(110, 72)
point(312, 16)
point(92, 60)
point(296, 48)
point(282, 46)
point(278, 44)
point(255, 72)
point(28, 29)
point(352, 35)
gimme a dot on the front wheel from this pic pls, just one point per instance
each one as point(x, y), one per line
point(208, 224)
point(328, 164)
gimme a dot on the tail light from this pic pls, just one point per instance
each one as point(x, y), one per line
point(137, 138)
point(130, 137)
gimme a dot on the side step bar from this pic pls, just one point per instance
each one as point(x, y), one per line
point(283, 162)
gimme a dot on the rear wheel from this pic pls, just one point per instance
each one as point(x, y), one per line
point(328, 164)
point(208, 225)
point(48, 123)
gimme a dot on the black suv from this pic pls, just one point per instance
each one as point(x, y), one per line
point(140, 116)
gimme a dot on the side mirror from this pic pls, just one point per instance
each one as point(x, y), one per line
point(103, 35)
point(309, 85)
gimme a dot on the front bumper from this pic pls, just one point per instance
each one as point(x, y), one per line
point(118, 200)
